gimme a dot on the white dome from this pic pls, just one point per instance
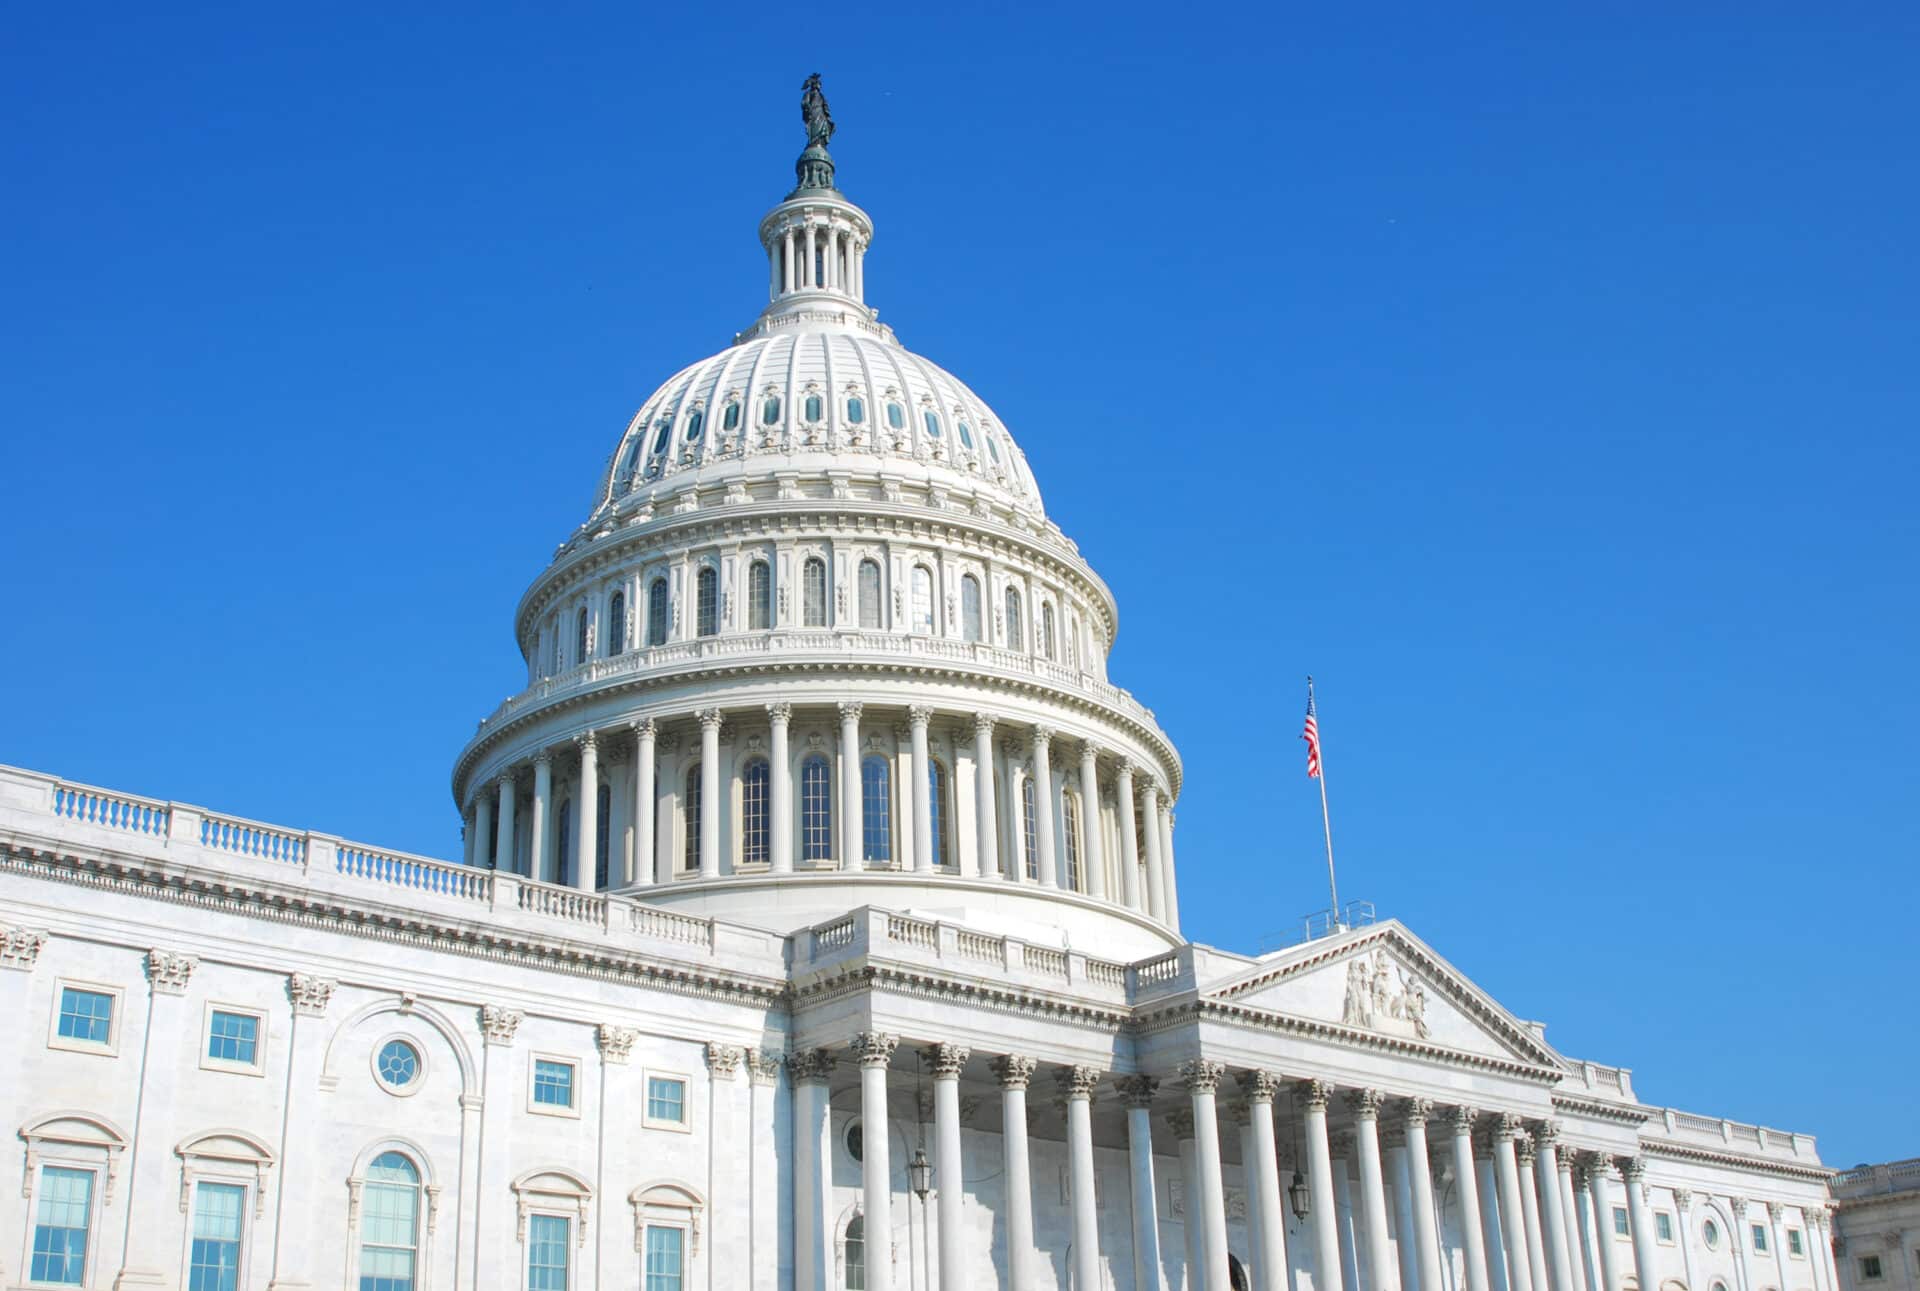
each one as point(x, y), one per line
point(816, 397)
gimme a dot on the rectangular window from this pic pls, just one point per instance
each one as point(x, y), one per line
point(1620, 1228)
point(233, 1039)
point(60, 1227)
point(1794, 1247)
point(1870, 1268)
point(1760, 1238)
point(547, 1251)
point(552, 1083)
point(85, 1016)
point(215, 1264)
point(666, 1101)
point(1663, 1226)
point(666, 1252)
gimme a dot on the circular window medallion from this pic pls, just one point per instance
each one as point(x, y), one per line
point(397, 1066)
point(856, 1140)
point(1711, 1232)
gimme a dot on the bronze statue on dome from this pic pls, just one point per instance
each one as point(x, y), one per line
point(813, 111)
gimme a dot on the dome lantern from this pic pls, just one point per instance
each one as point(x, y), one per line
point(816, 240)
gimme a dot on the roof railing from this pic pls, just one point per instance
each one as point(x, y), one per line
point(1321, 923)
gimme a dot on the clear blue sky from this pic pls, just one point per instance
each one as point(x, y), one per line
point(1546, 385)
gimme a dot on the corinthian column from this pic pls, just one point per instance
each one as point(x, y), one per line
point(1076, 1085)
point(1553, 1216)
point(875, 1050)
point(812, 1170)
point(1129, 837)
point(986, 833)
point(1640, 1221)
point(1043, 805)
point(1601, 1186)
point(710, 793)
point(1326, 1227)
point(1513, 1221)
point(1137, 1093)
point(1156, 873)
point(1202, 1079)
point(589, 808)
point(1270, 1259)
point(1015, 1070)
point(539, 818)
point(1365, 1106)
point(946, 1061)
point(1426, 1233)
point(1095, 849)
point(851, 851)
point(1530, 1208)
point(917, 718)
point(1472, 1233)
point(643, 795)
point(503, 841)
point(779, 790)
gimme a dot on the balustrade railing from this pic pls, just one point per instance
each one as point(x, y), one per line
point(111, 810)
point(245, 838)
point(462, 882)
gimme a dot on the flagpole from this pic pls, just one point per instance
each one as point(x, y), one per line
point(1326, 820)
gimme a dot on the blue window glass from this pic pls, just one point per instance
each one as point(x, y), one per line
point(214, 1263)
point(816, 810)
point(547, 1252)
point(628, 467)
point(815, 407)
point(666, 1099)
point(86, 1015)
point(966, 434)
point(759, 595)
point(60, 1227)
point(730, 419)
point(969, 608)
point(233, 1037)
point(896, 416)
point(603, 836)
point(933, 423)
point(690, 859)
point(1029, 837)
point(756, 834)
point(563, 841)
point(581, 637)
point(696, 423)
point(770, 412)
point(993, 449)
point(856, 410)
point(813, 593)
point(857, 1254)
point(876, 810)
point(617, 624)
point(937, 812)
point(666, 1258)
point(389, 1224)
point(552, 1083)
point(398, 1064)
point(660, 437)
point(707, 601)
point(1070, 832)
point(657, 612)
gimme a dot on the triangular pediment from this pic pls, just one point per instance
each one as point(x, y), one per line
point(1382, 982)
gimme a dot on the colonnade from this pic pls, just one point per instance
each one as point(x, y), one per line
point(1533, 1217)
point(817, 255)
point(1117, 806)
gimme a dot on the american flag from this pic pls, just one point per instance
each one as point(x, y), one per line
point(1311, 734)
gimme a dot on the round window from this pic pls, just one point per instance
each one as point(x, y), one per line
point(856, 1140)
point(1711, 1232)
point(397, 1064)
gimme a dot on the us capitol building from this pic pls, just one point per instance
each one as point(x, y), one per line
point(818, 927)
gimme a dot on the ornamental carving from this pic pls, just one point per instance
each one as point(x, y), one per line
point(1546, 1133)
point(780, 714)
point(1258, 1086)
point(810, 1064)
point(20, 947)
point(1077, 1082)
point(498, 1023)
point(1180, 1120)
point(1633, 1170)
point(874, 1048)
point(310, 994)
point(1137, 1091)
point(1523, 1151)
point(946, 1059)
point(616, 1043)
point(1775, 1210)
point(170, 971)
point(1377, 1002)
point(1316, 1094)
point(1461, 1119)
point(1682, 1198)
point(1014, 1070)
point(1365, 1103)
point(1507, 1126)
point(1418, 1111)
point(763, 1066)
point(723, 1060)
point(1738, 1205)
point(1201, 1075)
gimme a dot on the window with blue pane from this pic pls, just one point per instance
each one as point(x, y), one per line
point(389, 1224)
point(756, 834)
point(580, 637)
point(563, 841)
point(60, 1227)
point(666, 1258)
point(552, 1083)
point(730, 418)
point(214, 1263)
point(1029, 837)
point(815, 407)
point(707, 601)
point(617, 623)
point(876, 810)
point(397, 1063)
point(660, 437)
point(937, 811)
point(233, 1037)
point(690, 857)
point(856, 410)
point(770, 412)
point(547, 1252)
point(896, 416)
point(1070, 832)
point(657, 612)
point(933, 423)
point(696, 422)
point(966, 435)
point(667, 1099)
point(603, 839)
point(86, 1015)
point(816, 810)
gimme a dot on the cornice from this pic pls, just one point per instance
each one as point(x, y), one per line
point(1667, 1148)
point(1620, 1113)
point(862, 976)
point(285, 904)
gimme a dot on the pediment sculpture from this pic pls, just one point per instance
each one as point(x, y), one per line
point(1382, 996)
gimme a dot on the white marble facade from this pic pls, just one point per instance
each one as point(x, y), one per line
point(869, 838)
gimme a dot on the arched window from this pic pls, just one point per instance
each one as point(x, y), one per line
point(563, 844)
point(1070, 832)
point(813, 593)
point(937, 811)
point(869, 593)
point(389, 1224)
point(1016, 631)
point(922, 599)
point(759, 595)
point(690, 809)
point(1073, 641)
point(707, 601)
point(580, 636)
point(603, 826)
point(816, 809)
point(628, 466)
point(617, 624)
point(1029, 827)
point(876, 811)
point(970, 607)
point(657, 612)
point(554, 661)
point(993, 448)
point(1046, 629)
point(856, 1260)
point(754, 833)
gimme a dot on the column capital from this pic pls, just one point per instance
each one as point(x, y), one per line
point(1738, 1205)
point(587, 742)
point(946, 1059)
point(1775, 1210)
point(1090, 750)
point(544, 758)
point(983, 724)
point(616, 1042)
point(874, 1048)
point(1077, 1082)
point(498, 1023)
point(1258, 1086)
point(1563, 1162)
point(1014, 1070)
point(643, 728)
point(1180, 1119)
point(508, 779)
point(763, 1066)
point(1340, 1146)
point(1201, 1075)
point(723, 1060)
point(1365, 1103)
point(1137, 1091)
point(1599, 1167)
point(1417, 1111)
point(710, 719)
point(810, 1065)
point(917, 715)
point(1316, 1093)
point(310, 994)
point(851, 709)
point(1042, 737)
point(1682, 1199)
point(780, 714)
point(1523, 1150)
point(1633, 1169)
point(1506, 1126)
point(1546, 1133)
point(1124, 768)
point(1461, 1118)
point(1239, 1111)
